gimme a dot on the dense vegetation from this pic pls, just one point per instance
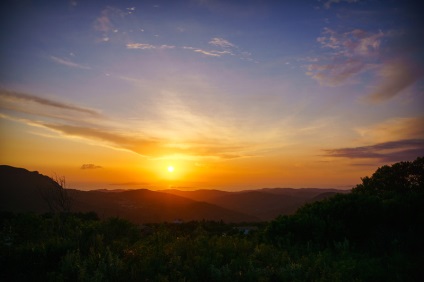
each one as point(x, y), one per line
point(374, 233)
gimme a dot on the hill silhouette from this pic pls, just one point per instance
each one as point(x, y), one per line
point(25, 191)
point(266, 204)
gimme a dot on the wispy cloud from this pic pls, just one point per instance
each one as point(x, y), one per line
point(75, 121)
point(394, 151)
point(110, 21)
point(19, 102)
point(108, 16)
point(394, 77)
point(90, 166)
point(68, 63)
point(349, 54)
point(149, 147)
point(212, 53)
point(208, 53)
point(221, 42)
point(144, 46)
point(393, 129)
point(396, 139)
point(222, 47)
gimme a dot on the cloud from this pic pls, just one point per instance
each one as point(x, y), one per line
point(395, 76)
point(336, 73)
point(144, 46)
point(224, 48)
point(208, 53)
point(20, 102)
point(68, 63)
point(107, 19)
point(90, 166)
point(393, 58)
point(141, 46)
point(221, 42)
point(348, 54)
point(397, 139)
point(110, 21)
point(394, 151)
point(72, 121)
point(108, 135)
point(213, 53)
point(393, 129)
point(150, 147)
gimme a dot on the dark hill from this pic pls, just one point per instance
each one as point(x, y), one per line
point(24, 191)
point(149, 206)
point(265, 204)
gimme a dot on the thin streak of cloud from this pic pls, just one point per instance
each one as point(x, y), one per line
point(68, 63)
point(392, 151)
point(23, 98)
point(213, 54)
point(144, 46)
point(141, 46)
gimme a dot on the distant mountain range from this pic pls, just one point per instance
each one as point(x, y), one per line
point(25, 191)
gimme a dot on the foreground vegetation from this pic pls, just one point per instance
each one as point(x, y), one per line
point(374, 233)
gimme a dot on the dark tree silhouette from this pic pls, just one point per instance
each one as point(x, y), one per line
point(57, 196)
point(402, 177)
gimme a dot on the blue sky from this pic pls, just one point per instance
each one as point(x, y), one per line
point(256, 93)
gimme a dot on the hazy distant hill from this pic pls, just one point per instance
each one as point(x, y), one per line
point(265, 204)
point(22, 190)
point(143, 205)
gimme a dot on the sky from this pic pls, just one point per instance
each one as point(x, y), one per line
point(233, 95)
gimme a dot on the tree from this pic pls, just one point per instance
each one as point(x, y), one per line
point(399, 178)
point(57, 196)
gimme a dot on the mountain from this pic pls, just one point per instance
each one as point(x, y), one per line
point(144, 206)
point(265, 204)
point(260, 204)
point(22, 191)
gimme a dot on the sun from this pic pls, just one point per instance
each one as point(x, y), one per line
point(170, 169)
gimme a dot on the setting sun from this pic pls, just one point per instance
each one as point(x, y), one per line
point(319, 101)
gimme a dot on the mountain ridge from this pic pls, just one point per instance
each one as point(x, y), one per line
point(25, 191)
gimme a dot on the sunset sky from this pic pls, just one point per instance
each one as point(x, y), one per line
point(232, 94)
